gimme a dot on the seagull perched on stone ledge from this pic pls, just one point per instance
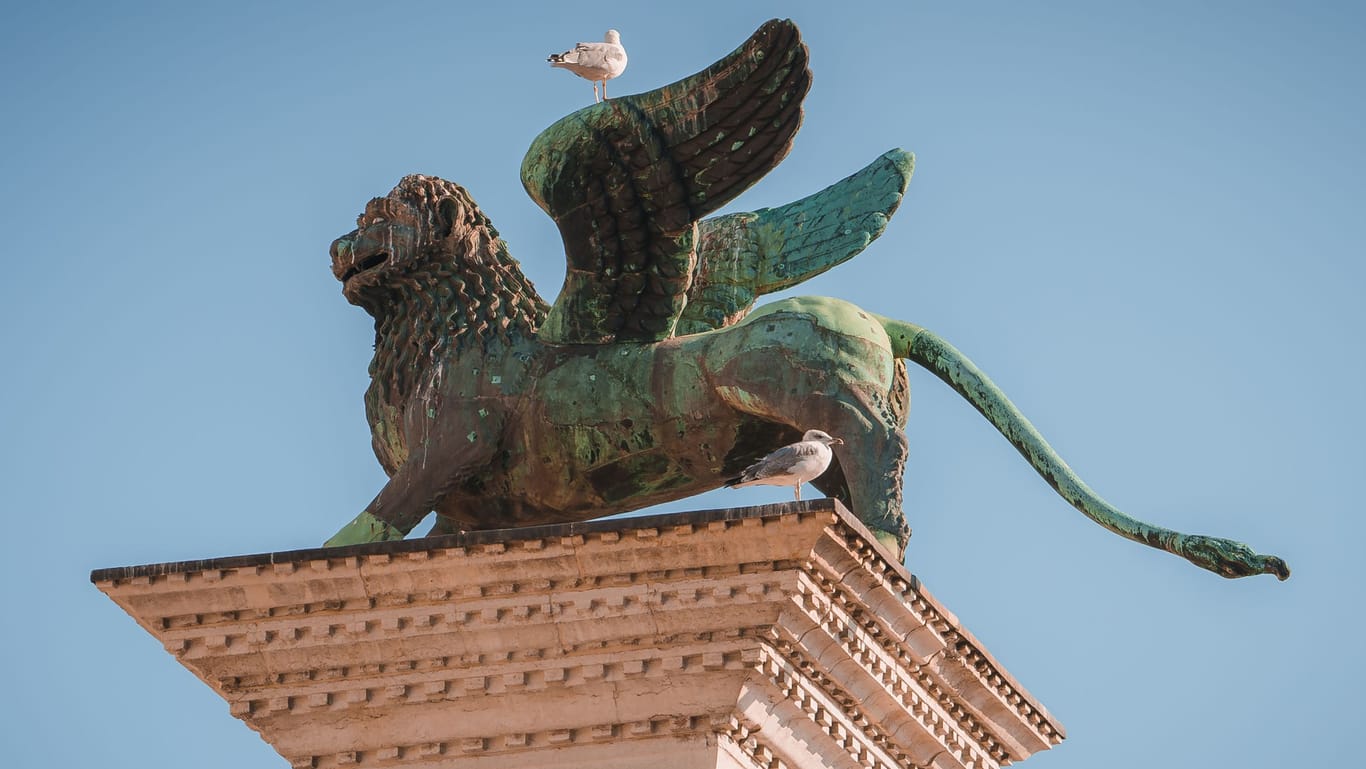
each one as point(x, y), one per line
point(598, 62)
point(791, 465)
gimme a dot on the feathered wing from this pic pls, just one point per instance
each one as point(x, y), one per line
point(780, 462)
point(627, 180)
point(602, 59)
point(741, 256)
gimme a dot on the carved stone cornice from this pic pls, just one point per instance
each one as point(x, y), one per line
point(775, 636)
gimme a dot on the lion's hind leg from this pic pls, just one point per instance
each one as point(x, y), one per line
point(867, 472)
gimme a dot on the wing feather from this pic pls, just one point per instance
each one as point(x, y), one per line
point(627, 180)
point(780, 461)
point(744, 255)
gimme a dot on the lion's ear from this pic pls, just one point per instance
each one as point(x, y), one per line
point(447, 215)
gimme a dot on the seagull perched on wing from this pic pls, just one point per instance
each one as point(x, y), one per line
point(598, 62)
point(791, 465)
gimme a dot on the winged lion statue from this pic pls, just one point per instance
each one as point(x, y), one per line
point(653, 377)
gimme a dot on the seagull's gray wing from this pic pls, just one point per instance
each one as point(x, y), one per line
point(591, 54)
point(781, 461)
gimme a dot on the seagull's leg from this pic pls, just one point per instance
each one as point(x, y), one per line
point(797, 492)
point(604, 90)
point(596, 98)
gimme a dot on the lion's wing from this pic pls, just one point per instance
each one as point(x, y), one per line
point(741, 256)
point(627, 179)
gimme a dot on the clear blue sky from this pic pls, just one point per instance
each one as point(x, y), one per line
point(1144, 220)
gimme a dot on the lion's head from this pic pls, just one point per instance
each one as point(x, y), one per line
point(425, 225)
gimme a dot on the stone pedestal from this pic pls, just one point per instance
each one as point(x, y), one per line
point(776, 636)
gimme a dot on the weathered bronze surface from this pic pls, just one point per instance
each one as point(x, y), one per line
point(650, 379)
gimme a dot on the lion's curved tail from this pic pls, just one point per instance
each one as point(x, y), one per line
point(1221, 556)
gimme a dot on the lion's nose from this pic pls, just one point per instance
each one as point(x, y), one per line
point(342, 255)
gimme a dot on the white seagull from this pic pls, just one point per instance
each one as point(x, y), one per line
point(598, 62)
point(791, 465)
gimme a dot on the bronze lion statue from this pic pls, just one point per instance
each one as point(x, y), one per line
point(653, 377)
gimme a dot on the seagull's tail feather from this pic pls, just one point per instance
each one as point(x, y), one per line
point(746, 478)
point(1222, 556)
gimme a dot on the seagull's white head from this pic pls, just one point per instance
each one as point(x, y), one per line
point(613, 37)
point(822, 437)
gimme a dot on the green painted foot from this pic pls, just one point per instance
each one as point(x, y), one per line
point(364, 528)
point(888, 540)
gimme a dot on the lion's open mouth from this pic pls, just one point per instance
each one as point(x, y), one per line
point(368, 263)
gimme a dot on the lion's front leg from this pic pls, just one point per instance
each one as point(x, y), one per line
point(404, 501)
point(445, 525)
point(442, 460)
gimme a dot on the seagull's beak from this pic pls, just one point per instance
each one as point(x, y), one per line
point(836, 442)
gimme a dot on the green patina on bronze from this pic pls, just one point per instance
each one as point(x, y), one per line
point(653, 377)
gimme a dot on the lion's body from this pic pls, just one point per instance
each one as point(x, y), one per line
point(477, 417)
point(552, 433)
